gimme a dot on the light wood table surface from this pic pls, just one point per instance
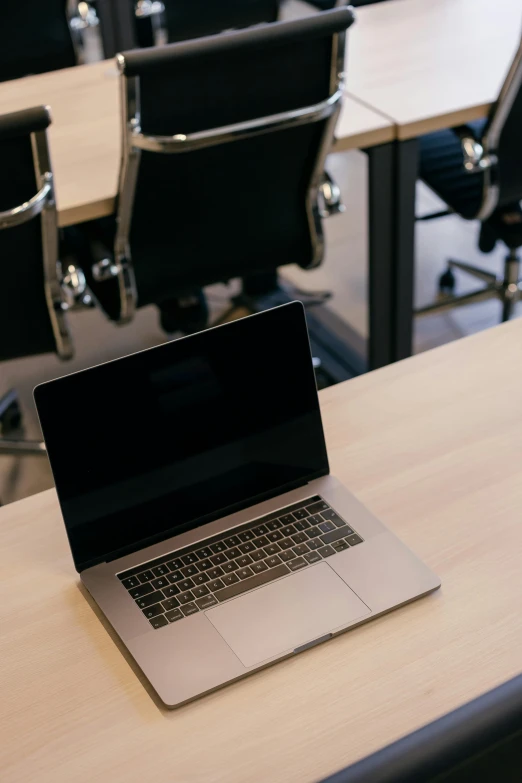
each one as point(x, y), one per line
point(431, 64)
point(433, 445)
point(85, 133)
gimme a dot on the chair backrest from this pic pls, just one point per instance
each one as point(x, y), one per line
point(34, 38)
point(481, 741)
point(501, 143)
point(224, 145)
point(32, 320)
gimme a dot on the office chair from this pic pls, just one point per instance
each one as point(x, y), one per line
point(477, 171)
point(481, 741)
point(34, 291)
point(228, 185)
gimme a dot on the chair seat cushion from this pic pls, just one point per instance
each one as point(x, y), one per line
point(441, 167)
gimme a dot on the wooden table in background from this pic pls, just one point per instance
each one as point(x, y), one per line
point(433, 445)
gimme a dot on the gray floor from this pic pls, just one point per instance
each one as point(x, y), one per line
point(343, 272)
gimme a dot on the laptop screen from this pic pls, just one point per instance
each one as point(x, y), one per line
point(175, 436)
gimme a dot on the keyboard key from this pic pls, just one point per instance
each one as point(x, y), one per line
point(312, 533)
point(184, 598)
point(257, 555)
point(244, 561)
point(314, 543)
point(315, 519)
point(250, 584)
point(149, 600)
point(186, 584)
point(206, 602)
point(248, 547)
point(230, 579)
point(325, 527)
point(333, 517)
point(300, 513)
point(170, 591)
point(326, 551)
point(354, 540)
point(258, 568)
point(215, 572)
point(190, 570)
point(153, 611)
point(201, 578)
point(313, 557)
point(137, 592)
point(272, 549)
point(175, 576)
point(132, 581)
point(286, 543)
point(218, 547)
point(287, 519)
point(302, 549)
point(300, 538)
point(275, 524)
point(229, 567)
point(221, 558)
point(244, 573)
point(247, 535)
point(289, 530)
point(189, 559)
point(175, 565)
point(204, 553)
point(158, 622)
point(217, 584)
point(204, 565)
point(335, 535)
point(174, 615)
point(160, 570)
point(302, 525)
point(232, 541)
point(170, 603)
point(276, 535)
point(261, 541)
point(145, 576)
point(340, 546)
point(273, 561)
point(260, 530)
point(319, 506)
point(295, 565)
point(159, 583)
point(189, 609)
point(231, 554)
point(199, 592)
point(287, 555)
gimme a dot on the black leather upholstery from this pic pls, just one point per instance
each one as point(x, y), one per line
point(25, 328)
point(481, 741)
point(34, 38)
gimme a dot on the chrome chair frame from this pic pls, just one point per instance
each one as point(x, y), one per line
point(155, 11)
point(134, 141)
point(482, 156)
point(81, 15)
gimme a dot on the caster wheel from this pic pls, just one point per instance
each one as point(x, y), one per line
point(11, 419)
point(447, 282)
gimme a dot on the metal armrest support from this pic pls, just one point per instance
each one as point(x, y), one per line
point(475, 160)
point(29, 209)
point(331, 199)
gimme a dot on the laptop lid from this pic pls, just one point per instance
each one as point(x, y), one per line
point(175, 436)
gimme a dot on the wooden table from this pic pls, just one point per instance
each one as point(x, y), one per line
point(425, 65)
point(433, 445)
point(85, 134)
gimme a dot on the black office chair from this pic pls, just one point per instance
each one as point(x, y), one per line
point(224, 145)
point(33, 290)
point(478, 743)
point(477, 171)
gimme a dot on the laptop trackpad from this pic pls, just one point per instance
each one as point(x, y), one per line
point(286, 614)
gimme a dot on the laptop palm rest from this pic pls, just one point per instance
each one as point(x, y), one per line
point(286, 614)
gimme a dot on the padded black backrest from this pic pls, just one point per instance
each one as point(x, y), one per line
point(503, 135)
point(236, 208)
point(481, 741)
point(34, 38)
point(25, 328)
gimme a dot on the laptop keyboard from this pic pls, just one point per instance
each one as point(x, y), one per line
point(203, 575)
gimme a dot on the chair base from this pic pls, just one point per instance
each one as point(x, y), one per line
point(508, 289)
point(11, 423)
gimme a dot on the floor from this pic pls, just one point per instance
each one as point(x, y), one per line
point(343, 272)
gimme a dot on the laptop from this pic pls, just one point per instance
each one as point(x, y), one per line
point(201, 512)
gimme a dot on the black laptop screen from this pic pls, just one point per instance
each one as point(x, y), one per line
point(178, 435)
